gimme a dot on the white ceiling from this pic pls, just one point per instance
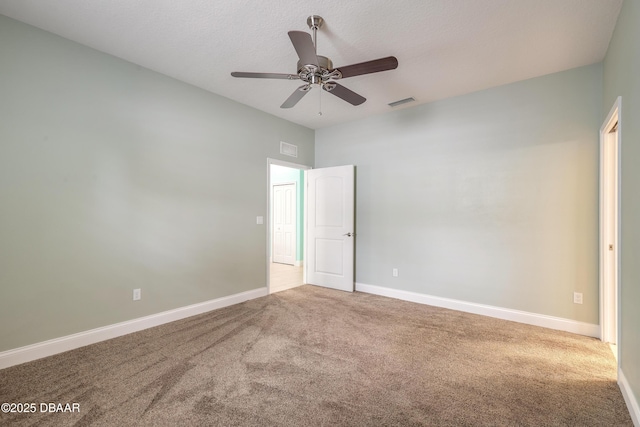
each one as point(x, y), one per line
point(444, 47)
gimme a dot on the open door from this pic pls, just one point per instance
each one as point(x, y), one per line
point(330, 235)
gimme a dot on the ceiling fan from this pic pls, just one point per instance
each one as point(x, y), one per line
point(314, 69)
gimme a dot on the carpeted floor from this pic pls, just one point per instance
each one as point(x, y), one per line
point(313, 357)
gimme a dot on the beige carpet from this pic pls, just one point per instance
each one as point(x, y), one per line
point(314, 357)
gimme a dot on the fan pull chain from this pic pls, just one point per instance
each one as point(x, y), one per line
point(320, 100)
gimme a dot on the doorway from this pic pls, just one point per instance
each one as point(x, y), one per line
point(609, 227)
point(285, 235)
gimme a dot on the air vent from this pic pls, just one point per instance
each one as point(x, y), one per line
point(288, 149)
point(402, 101)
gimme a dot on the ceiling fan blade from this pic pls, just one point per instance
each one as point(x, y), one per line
point(343, 93)
point(305, 49)
point(296, 96)
point(265, 75)
point(375, 66)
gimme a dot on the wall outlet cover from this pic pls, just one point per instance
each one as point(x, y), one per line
point(577, 298)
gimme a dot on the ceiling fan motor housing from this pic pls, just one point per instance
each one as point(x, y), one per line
point(311, 74)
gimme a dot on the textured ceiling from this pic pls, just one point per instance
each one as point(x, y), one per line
point(444, 47)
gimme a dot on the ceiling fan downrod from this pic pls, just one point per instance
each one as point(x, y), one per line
point(315, 23)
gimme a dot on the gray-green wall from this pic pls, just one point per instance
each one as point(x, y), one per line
point(490, 197)
point(113, 177)
point(622, 78)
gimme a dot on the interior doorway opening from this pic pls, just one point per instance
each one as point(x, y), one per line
point(609, 227)
point(286, 225)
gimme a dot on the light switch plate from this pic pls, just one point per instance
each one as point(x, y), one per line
point(259, 220)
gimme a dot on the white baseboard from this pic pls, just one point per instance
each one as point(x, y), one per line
point(545, 321)
point(81, 339)
point(629, 398)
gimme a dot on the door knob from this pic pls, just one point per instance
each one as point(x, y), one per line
point(349, 234)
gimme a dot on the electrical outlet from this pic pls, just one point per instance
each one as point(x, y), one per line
point(259, 220)
point(137, 294)
point(395, 272)
point(577, 297)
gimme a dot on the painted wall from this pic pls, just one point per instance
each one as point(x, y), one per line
point(282, 174)
point(113, 177)
point(490, 197)
point(622, 78)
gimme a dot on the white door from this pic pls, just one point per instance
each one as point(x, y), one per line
point(330, 236)
point(610, 216)
point(284, 223)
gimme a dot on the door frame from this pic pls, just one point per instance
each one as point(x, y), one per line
point(299, 166)
point(271, 224)
point(613, 117)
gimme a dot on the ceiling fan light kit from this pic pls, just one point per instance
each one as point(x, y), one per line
point(314, 69)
